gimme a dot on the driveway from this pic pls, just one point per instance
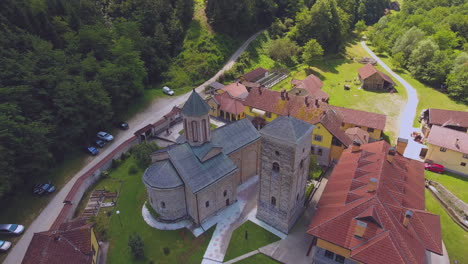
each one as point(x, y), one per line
point(407, 116)
point(154, 112)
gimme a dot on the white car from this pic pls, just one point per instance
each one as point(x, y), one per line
point(105, 136)
point(11, 229)
point(4, 245)
point(168, 91)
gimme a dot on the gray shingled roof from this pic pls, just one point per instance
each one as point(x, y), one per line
point(202, 150)
point(198, 175)
point(234, 136)
point(195, 106)
point(162, 175)
point(287, 128)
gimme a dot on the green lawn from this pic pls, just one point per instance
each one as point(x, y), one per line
point(455, 238)
point(456, 184)
point(183, 246)
point(258, 259)
point(256, 237)
point(428, 96)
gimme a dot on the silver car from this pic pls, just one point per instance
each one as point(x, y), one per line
point(168, 91)
point(4, 245)
point(105, 136)
point(11, 229)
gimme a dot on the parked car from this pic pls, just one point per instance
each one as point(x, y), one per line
point(43, 188)
point(11, 229)
point(99, 143)
point(168, 91)
point(434, 167)
point(123, 125)
point(4, 245)
point(105, 136)
point(92, 150)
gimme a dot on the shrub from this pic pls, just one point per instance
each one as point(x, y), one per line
point(132, 170)
point(142, 153)
point(136, 246)
point(125, 155)
point(116, 163)
point(105, 174)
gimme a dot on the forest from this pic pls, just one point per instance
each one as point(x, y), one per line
point(70, 67)
point(429, 38)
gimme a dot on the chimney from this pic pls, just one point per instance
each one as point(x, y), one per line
point(282, 94)
point(407, 218)
point(391, 154)
point(307, 101)
point(356, 146)
point(372, 186)
point(317, 103)
point(360, 229)
point(401, 145)
point(456, 143)
point(287, 96)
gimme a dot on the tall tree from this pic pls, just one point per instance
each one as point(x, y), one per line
point(312, 52)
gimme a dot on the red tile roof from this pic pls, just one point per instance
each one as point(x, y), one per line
point(313, 85)
point(448, 138)
point(400, 187)
point(443, 117)
point(229, 104)
point(355, 133)
point(255, 75)
point(368, 70)
point(331, 120)
point(361, 118)
point(236, 90)
point(70, 244)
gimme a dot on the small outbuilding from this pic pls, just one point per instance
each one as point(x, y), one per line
point(373, 79)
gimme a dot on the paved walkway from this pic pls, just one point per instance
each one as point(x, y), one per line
point(154, 112)
point(409, 113)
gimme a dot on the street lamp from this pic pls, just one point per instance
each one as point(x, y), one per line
point(118, 214)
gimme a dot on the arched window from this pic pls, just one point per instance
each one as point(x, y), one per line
point(273, 201)
point(277, 153)
point(205, 133)
point(207, 204)
point(297, 197)
point(163, 205)
point(225, 193)
point(195, 131)
point(185, 127)
point(276, 167)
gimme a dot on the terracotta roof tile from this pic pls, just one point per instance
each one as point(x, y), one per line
point(361, 118)
point(448, 138)
point(236, 90)
point(400, 187)
point(313, 85)
point(368, 70)
point(229, 104)
point(255, 75)
point(443, 117)
point(357, 134)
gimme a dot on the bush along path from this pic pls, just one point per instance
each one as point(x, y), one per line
point(155, 111)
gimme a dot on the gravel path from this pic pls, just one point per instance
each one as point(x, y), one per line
point(154, 112)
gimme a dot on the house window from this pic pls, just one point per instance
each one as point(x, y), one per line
point(163, 205)
point(465, 156)
point(319, 152)
point(370, 130)
point(312, 150)
point(318, 138)
point(205, 134)
point(339, 258)
point(336, 142)
point(276, 167)
point(329, 254)
point(225, 193)
point(207, 204)
point(443, 149)
point(463, 164)
point(268, 114)
point(195, 131)
point(273, 201)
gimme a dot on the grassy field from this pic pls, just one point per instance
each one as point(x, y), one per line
point(258, 259)
point(428, 96)
point(256, 237)
point(183, 246)
point(455, 238)
point(336, 71)
point(456, 184)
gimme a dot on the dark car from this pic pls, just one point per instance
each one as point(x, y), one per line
point(92, 150)
point(11, 229)
point(99, 143)
point(43, 188)
point(123, 125)
point(434, 167)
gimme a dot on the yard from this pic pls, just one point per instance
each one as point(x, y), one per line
point(455, 238)
point(335, 71)
point(456, 184)
point(246, 238)
point(258, 259)
point(178, 246)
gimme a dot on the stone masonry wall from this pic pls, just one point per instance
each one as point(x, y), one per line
point(168, 203)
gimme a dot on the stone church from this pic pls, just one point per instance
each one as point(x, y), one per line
point(199, 175)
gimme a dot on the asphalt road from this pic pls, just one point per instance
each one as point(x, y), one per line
point(154, 112)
